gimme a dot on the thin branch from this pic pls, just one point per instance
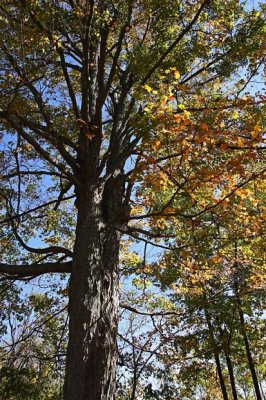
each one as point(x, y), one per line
point(69, 85)
point(40, 150)
point(36, 328)
point(175, 43)
point(36, 209)
point(208, 208)
point(149, 314)
point(49, 249)
point(21, 173)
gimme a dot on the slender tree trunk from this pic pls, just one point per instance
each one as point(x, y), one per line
point(226, 347)
point(221, 377)
point(134, 387)
point(249, 355)
point(216, 357)
point(93, 305)
point(231, 375)
point(246, 341)
point(135, 366)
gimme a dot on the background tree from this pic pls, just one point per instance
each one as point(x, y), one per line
point(33, 343)
point(204, 284)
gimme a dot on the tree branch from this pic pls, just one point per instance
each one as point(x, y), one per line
point(11, 119)
point(46, 250)
point(175, 43)
point(36, 209)
point(35, 269)
point(69, 85)
point(149, 314)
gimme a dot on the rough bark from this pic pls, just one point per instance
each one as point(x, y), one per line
point(93, 307)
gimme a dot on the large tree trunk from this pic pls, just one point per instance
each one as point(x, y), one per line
point(93, 305)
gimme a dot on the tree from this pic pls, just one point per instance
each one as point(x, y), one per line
point(82, 86)
point(219, 288)
point(33, 340)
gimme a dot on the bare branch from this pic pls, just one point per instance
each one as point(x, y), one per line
point(149, 314)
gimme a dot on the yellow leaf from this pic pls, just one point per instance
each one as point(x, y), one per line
point(156, 144)
point(163, 100)
point(240, 142)
point(148, 88)
point(235, 115)
point(254, 134)
point(176, 73)
point(147, 110)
